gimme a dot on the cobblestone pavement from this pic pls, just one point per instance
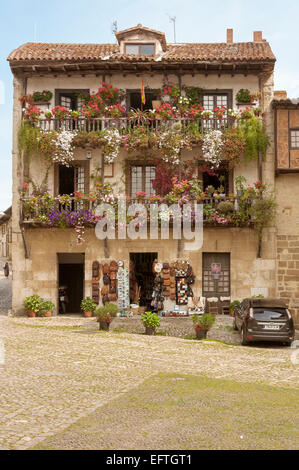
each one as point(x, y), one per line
point(56, 371)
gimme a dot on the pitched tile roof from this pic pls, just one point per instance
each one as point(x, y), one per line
point(36, 53)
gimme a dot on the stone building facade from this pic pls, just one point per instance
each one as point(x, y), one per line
point(5, 234)
point(286, 119)
point(142, 56)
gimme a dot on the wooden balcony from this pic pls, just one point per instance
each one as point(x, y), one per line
point(38, 215)
point(125, 124)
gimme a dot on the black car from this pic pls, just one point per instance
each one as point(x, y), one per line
point(264, 319)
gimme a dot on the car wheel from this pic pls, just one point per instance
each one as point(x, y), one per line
point(244, 340)
point(235, 325)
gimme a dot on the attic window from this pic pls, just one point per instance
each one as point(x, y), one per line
point(140, 49)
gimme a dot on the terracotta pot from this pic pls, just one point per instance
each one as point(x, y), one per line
point(48, 313)
point(149, 331)
point(31, 314)
point(201, 334)
point(104, 325)
point(87, 314)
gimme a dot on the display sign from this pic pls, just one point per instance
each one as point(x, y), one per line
point(216, 271)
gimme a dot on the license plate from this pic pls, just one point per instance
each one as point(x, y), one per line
point(61, 299)
point(271, 327)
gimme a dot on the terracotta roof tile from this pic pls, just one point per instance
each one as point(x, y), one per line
point(34, 53)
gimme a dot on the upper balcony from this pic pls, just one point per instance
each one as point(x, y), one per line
point(125, 124)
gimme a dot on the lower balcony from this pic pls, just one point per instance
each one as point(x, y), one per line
point(66, 211)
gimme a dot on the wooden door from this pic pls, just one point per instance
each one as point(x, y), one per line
point(216, 275)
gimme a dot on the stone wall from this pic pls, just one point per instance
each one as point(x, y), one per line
point(288, 272)
point(39, 273)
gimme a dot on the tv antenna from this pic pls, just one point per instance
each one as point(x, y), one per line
point(114, 27)
point(173, 20)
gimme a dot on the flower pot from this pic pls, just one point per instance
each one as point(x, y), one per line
point(201, 334)
point(156, 103)
point(104, 325)
point(87, 314)
point(48, 313)
point(149, 331)
point(31, 314)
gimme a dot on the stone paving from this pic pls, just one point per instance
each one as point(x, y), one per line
point(56, 371)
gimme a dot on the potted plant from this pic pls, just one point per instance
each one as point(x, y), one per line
point(42, 96)
point(75, 115)
point(255, 97)
point(151, 321)
point(106, 314)
point(46, 308)
point(141, 196)
point(88, 306)
point(32, 305)
point(202, 324)
point(243, 96)
point(233, 305)
point(26, 99)
point(60, 112)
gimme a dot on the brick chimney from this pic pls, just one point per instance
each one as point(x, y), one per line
point(229, 36)
point(280, 95)
point(257, 36)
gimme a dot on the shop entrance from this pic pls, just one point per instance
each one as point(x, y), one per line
point(142, 277)
point(71, 275)
point(216, 275)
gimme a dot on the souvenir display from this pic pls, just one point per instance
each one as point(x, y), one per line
point(157, 296)
point(182, 289)
point(95, 290)
point(123, 289)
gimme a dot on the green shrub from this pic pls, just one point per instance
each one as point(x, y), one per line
point(203, 322)
point(226, 207)
point(46, 306)
point(33, 303)
point(88, 305)
point(107, 312)
point(150, 320)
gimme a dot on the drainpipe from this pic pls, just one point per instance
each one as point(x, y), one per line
point(179, 244)
point(106, 247)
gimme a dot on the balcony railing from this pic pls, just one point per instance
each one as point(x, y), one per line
point(38, 214)
point(124, 124)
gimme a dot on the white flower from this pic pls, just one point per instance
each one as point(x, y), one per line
point(212, 146)
point(111, 147)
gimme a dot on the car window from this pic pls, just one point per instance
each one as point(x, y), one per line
point(269, 314)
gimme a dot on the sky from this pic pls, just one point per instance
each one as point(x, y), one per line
point(91, 21)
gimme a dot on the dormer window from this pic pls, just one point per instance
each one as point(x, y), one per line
point(140, 49)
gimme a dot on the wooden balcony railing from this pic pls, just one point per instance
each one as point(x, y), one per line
point(37, 214)
point(124, 124)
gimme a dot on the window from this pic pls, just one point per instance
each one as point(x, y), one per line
point(71, 179)
point(222, 177)
point(140, 49)
point(70, 99)
point(141, 177)
point(214, 99)
point(294, 138)
point(210, 101)
point(134, 99)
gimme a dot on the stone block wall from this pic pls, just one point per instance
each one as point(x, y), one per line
point(288, 272)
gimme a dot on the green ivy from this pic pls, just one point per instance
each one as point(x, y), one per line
point(255, 136)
